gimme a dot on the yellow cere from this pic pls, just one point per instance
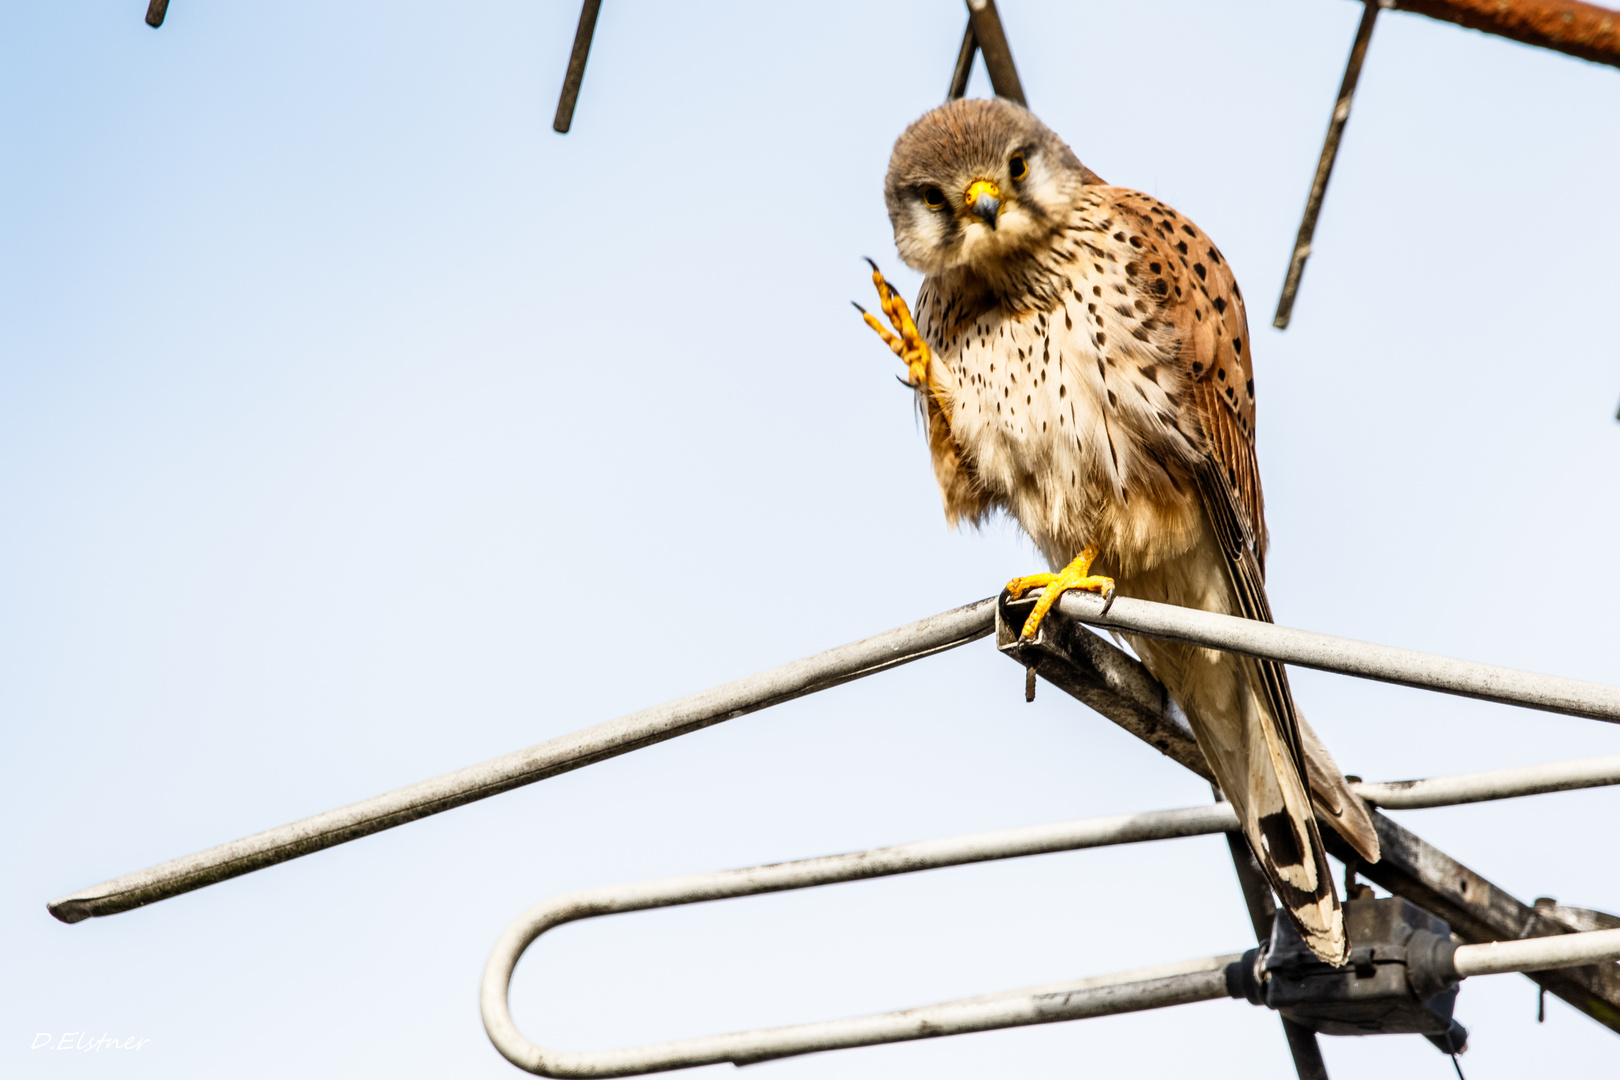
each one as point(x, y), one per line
point(981, 188)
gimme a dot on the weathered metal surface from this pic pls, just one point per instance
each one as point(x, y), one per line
point(964, 64)
point(576, 66)
point(1536, 954)
point(1262, 908)
point(1149, 988)
point(1496, 784)
point(1084, 998)
point(1343, 656)
point(155, 13)
point(1102, 676)
point(693, 713)
point(985, 23)
point(1576, 918)
point(1303, 1048)
point(1584, 30)
point(1477, 910)
point(1193, 980)
point(1324, 164)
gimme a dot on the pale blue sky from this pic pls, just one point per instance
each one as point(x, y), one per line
point(356, 427)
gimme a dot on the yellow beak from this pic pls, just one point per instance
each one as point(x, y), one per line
point(984, 200)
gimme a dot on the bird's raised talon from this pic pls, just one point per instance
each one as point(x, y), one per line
point(906, 342)
point(1077, 575)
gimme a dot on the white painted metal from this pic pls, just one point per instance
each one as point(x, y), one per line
point(1346, 657)
point(1538, 954)
point(820, 672)
point(1496, 784)
point(1149, 988)
point(1198, 980)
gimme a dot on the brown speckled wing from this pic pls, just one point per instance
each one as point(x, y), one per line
point(1205, 306)
point(1203, 303)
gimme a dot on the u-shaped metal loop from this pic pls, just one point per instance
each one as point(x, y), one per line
point(1148, 988)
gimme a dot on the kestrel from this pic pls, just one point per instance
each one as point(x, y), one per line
point(1082, 358)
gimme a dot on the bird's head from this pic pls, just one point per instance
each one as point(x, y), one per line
point(974, 182)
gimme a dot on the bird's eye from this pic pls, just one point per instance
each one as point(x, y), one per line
point(934, 197)
point(1018, 167)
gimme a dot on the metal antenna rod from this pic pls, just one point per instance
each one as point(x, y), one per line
point(575, 750)
point(1362, 660)
point(1324, 167)
point(1200, 979)
point(1302, 1045)
point(1102, 677)
point(985, 24)
point(964, 64)
point(868, 657)
point(576, 66)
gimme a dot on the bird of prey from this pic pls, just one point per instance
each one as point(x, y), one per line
point(1082, 360)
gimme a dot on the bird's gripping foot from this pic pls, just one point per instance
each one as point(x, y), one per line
point(1077, 575)
point(906, 342)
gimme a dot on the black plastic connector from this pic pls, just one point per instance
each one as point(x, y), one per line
point(1401, 977)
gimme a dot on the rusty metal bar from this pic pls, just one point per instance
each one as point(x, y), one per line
point(1120, 688)
point(985, 22)
point(576, 66)
point(964, 64)
point(1324, 164)
point(155, 12)
point(692, 713)
point(1586, 31)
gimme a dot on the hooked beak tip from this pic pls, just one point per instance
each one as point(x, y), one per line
point(986, 208)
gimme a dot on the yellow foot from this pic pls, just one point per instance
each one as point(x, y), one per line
point(907, 344)
point(1077, 575)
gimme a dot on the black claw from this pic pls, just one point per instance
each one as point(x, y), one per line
point(907, 385)
point(857, 307)
point(872, 264)
point(1108, 600)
